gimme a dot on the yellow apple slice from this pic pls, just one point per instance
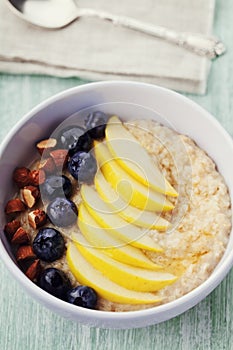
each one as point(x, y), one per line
point(129, 189)
point(130, 277)
point(117, 249)
point(86, 274)
point(129, 213)
point(116, 226)
point(134, 158)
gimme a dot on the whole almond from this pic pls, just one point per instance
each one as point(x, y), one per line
point(21, 177)
point(60, 157)
point(14, 206)
point(47, 165)
point(25, 252)
point(33, 270)
point(20, 236)
point(11, 227)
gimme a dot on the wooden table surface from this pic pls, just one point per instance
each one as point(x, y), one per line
point(26, 325)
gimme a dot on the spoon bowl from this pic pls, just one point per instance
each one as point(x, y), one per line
point(51, 14)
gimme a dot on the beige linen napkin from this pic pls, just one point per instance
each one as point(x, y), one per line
point(97, 50)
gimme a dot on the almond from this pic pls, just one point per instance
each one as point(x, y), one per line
point(47, 165)
point(11, 227)
point(21, 177)
point(14, 206)
point(30, 195)
point(37, 177)
point(37, 218)
point(20, 236)
point(33, 270)
point(25, 252)
point(46, 145)
point(60, 157)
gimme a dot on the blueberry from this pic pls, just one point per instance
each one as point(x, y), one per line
point(48, 244)
point(55, 282)
point(82, 296)
point(56, 186)
point(95, 122)
point(62, 212)
point(74, 138)
point(82, 166)
point(84, 144)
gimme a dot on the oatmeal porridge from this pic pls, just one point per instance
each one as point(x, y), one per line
point(188, 239)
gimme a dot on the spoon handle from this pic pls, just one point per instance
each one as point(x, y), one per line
point(208, 46)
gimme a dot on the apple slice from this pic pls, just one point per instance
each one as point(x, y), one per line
point(116, 226)
point(129, 213)
point(131, 190)
point(134, 158)
point(86, 274)
point(130, 277)
point(117, 249)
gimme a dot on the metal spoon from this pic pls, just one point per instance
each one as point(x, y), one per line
point(54, 14)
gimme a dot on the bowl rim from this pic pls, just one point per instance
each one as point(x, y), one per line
point(202, 290)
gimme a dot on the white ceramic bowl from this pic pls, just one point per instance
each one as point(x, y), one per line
point(129, 100)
